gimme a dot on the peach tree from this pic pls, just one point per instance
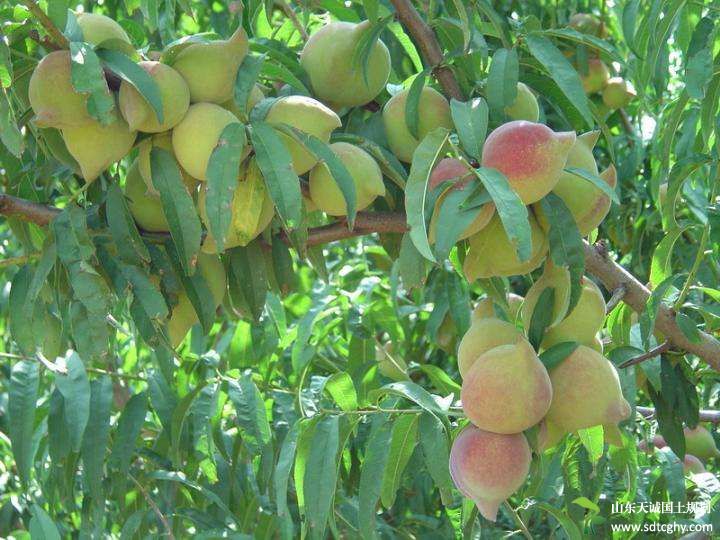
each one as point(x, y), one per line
point(366, 269)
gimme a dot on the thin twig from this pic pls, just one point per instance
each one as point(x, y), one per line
point(519, 521)
point(704, 415)
point(55, 34)
point(617, 295)
point(154, 506)
point(290, 12)
point(652, 353)
point(17, 261)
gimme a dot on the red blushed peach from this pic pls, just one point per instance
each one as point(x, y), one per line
point(489, 467)
point(507, 389)
point(530, 155)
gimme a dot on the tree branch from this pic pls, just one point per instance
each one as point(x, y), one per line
point(429, 47)
point(56, 35)
point(32, 212)
point(705, 416)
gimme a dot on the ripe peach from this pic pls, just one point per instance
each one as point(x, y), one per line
point(455, 170)
point(146, 209)
point(434, 112)
point(486, 308)
point(489, 467)
point(483, 335)
point(492, 254)
point(530, 155)
point(586, 393)
point(507, 389)
point(335, 78)
point(97, 28)
point(556, 278)
point(585, 320)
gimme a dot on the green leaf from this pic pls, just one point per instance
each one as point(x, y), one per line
point(128, 429)
point(223, 171)
point(274, 161)
point(75, 389)
point(178, 422)
point(96, 436)
point(402, 445)
point(21, 310)
point(248, 273)
point(596, 181)
point(245, 81)
point(561, 72)
point(122, 227)
point(502, 79)
point(9, 133)
point(281, 480)
point(435, 448)
point(541, 317)
point(22, 398)
point(554, 356)
point(661, 266)
point(411, 264)
point(178, 207)
point(320, 476)
point(372, 473)
point(88, 78)
point(412, 391)
point(251, 415)
point(57, 10)
point(471, 122)
point(131, 72)
point(513, 213)
point(568, 525)
point(416, 193)
point(42, 527)
point(453, 219)
point(412, 104)
point(145, 292)
point(341, 388)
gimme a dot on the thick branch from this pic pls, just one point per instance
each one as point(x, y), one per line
point(39, 214)
point(56, 35)
point(429, 47)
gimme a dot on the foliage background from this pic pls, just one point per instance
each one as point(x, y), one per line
point(279, 423)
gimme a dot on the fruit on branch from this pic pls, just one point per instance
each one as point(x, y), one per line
point(164, 141)
point(210, 68)
point(586, 23)
point(337, 76)
point(390, 364)
point(692, 465)
point(597, 345)
point(252, 209)
point(587, 203)
point(525, 106)
point(433, 112)
point(174, 96)
point(487, 308)
point(530, 155)
point(596, 77)
point(700, 442)
point(183, 316)
point(52, 96)
point(483, 335)
point(507, 389)
point(452, 169)
point(366, 175)
point(56, 145)
point(489, 467)
point(255, 97)
point(586, 393)
point(307, 115)
point(145, 208)
point(585, 320)
point(556, 278)
point(197, 135)
point(95, 147)
point(492, 254)
point(98, 29)
point(616, 93)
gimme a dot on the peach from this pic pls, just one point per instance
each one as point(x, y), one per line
point(556, 278)
point(335, 79)
point(585, 320)
point(97, 29)
point(530, 155)
point(700, 442)
point(525, 106)
point(692, 465)
point(588, 204)
point(455, 170)
point(489, 467)
point(433, 112)
point(483, 335)
point(596, 77)
point(492, 254)
point(486, 308)
point(586, 393)
point(616, 93)
point(146, 209)
point(586, 23)
point(164, 141)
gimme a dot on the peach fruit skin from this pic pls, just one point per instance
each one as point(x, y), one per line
point(483, 335)
point(485, 308)
point(530, 155)
point(489, 467)
point(507, 389)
